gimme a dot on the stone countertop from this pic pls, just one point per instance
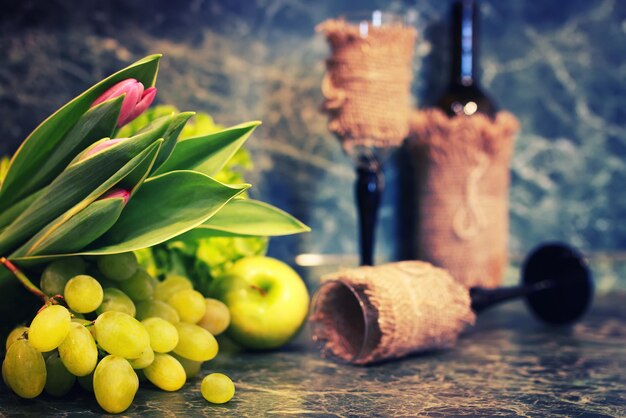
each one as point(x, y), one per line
point(508, 365)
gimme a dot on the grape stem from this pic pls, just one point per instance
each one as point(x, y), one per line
point(23, 279)
point(54, 300)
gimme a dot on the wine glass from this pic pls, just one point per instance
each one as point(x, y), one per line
point(367, 91)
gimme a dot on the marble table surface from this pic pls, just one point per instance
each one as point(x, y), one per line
point(508, 365)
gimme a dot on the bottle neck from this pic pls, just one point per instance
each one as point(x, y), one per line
point(464, 42)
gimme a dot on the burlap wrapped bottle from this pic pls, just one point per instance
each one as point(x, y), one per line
point(461, 199)
point(370, 314)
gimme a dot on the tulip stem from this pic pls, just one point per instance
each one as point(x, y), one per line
point(23, 279)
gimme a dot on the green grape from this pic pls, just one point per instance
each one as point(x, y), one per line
point(106, 283)
point(216, 318)
point(115, 384)
point(49, 328)
point(81, 321)
point(25, 369)
point(86, 382)
point(146, 359)
point(87, 324)
point(122, 335)
point(157, 309)
point(83, 293)
point(15, 335)
point(191, 367)
point(166, 373)
point(189, 304)
point(153, 280)
point(195, 343)
point(78, 351)
point(172, 284)
point(163, 335)
point(57, 273)
point(217, 388)
point(116, 300)
point(118, 267)
point(139, 287)
point(59, 381)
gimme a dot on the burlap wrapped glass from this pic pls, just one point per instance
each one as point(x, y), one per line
point(370, 314)
point(367, 81)
point(368, 101)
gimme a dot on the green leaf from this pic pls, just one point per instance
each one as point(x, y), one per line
point(170, 137)
point(156, 129)
point(163, 208)
point(135, 178)
point(4, 167)
point(208, 153)
point(76, 232)
point(9, 215)
point(97, 123)
point(81, 182)
point(247, 217)
point(201, 124)
point(35, 149)
point(154, 112)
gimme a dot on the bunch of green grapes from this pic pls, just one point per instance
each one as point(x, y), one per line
point(108, 323)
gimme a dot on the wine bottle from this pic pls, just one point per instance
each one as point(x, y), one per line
point(463, 95)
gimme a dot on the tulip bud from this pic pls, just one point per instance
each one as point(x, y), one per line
point(117, 193)
point(144, 103)
point(100, 147)
point(135, 102)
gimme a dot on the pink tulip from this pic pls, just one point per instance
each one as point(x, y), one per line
point(116, 194)
point(135, 103)
point(101, 146)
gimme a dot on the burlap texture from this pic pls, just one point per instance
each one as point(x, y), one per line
point(462, 168)
point(411, 306)
point(367, 83)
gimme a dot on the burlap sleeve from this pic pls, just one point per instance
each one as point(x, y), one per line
point(367, 85)
point(393, 310)
point(461, 199)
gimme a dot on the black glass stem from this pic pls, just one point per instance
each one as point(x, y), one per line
point(368, 189)
point(483, 298)
point(556, 285)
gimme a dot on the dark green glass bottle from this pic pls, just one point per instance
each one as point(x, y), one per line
point(463, 95)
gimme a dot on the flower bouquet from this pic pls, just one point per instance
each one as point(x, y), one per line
point(77, 198)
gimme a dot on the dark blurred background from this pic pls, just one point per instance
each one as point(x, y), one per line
point(559, 66)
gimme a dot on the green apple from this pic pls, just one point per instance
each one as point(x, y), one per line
point(267, 299)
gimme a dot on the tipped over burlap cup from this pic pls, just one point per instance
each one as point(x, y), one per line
point(371, 314)
point(462, 193)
